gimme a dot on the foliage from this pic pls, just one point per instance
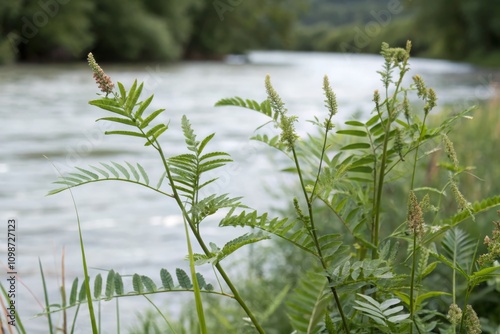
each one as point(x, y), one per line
point(142, 30)
point(366, 268)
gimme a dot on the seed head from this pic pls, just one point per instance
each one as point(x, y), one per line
point(450, 150)
point(103, 81)
point(420, 84)
point(454, 314)
point(415, 216)
point(471, 321)
point(493, 245)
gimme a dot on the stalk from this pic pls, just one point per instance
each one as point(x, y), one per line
point(316, 242)
point(390, 109)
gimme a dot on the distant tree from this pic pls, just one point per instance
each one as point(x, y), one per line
point(138, 30)
point(47, 30)
point(235, 26)
point(457, 29)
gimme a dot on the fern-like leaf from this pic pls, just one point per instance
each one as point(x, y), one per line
point(308, 302)
point(459, 248)
point(292, 231)
point(119, 173)
point(239, 242)
point(263, 107)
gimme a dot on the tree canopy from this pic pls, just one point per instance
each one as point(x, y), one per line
point(130, 30)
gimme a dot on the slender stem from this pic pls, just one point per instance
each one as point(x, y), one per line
point(323, 149)
point(416, 152)
point(412, 281)
point(390, 110)
point(196, 287)
point(316, 242)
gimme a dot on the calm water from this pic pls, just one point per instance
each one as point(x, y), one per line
point(44, 112)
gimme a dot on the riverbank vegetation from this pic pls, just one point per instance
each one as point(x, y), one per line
point(385, 231)
point(132, 30)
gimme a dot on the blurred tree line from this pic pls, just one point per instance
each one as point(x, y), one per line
point(127, 30)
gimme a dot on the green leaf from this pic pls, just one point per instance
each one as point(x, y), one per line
point(183, 279)
point(373, 120)
point(143, 107)
point(308, 302)
point(355, 146)
point(148, 283)
point(429, 269)
point(74, 292)
point(150, 118)
point(354, 123)
point(82, 295)
point(484, 275)
point(166, 279)
point(111, 169)
point(459, 247)
point(97, 286)
point(92, 175)
point(398, 318)
point(133, 170)
point(388, 303)
point(201, 281)
point(263, 107)
point(189, 135)
point(151, 133)
point(124, 133)
point(122, 169)
point(239, 242)
point(118, 284)
point(110, 284)
point(79, 176)
point(357, 133)
point(133, 95)
point(109, 105)
point(125, 121)
point(421, 298)
point(204, 142)
point(123, 93)
point(143, 173)
point(361, 169)
point(137, 283)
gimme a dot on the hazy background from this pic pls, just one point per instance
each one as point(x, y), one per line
point(144, 30)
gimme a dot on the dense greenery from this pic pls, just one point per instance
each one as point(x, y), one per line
point(142, 30)
point(374, 263)
point(169, 30)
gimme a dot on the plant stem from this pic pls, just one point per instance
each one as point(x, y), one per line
point(390, 112)
point(196, 287)
point(316, 242)
point(412, 281)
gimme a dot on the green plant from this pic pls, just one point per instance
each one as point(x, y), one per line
point(363, 278)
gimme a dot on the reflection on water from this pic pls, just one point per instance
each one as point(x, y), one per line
point(44, 112)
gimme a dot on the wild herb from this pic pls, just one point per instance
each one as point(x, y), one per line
point(369, 273)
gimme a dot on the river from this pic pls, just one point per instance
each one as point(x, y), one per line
point(47, 124)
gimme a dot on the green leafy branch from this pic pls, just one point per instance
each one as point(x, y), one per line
point(108, 172)
point(113, 287)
